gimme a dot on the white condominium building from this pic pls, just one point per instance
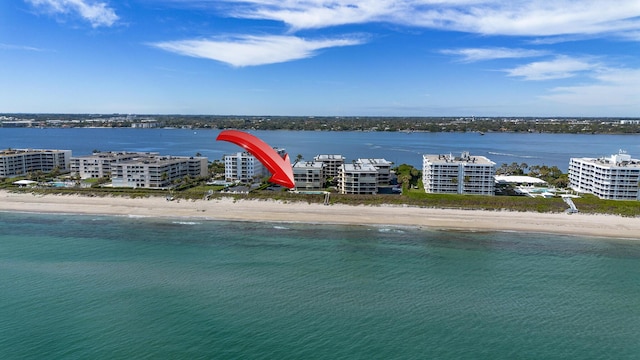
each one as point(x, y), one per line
point(458, 175)
point(242, 166)
point(358, 179)
point(308, 175)
point(99, 164)
point(157, 171)
point(384, 169)
point(615, 178)
point(332, 164)
point(20, 162)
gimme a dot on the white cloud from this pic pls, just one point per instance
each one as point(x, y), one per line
point(481, 54)
point(631, 35)
point(19, 47)
point(535, 17)
point(557, 20)
point(612, 87)
point(252, 50)
point(95, 12)
point(487, 17)
point(313, 14)
point(559, 68)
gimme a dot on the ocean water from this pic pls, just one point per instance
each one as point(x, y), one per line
point(96, 287)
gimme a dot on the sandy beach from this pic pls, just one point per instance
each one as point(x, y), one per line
point(274, 211)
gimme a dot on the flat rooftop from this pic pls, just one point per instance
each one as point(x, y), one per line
point(308, 164)
point(7, 152)
point(365, 168)
point(159, 160)
point(466, 158)
point(116, 155)
point(621, 160)
point(329, 157)
point(378, 162)
point(518, 179)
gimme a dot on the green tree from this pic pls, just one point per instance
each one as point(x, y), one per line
point(407, 174)
point(55, 171)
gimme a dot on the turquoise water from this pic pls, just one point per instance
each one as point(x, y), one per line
point(93, 287)
point(58, 184)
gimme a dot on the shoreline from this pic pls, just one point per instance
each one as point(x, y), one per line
point(608, 226)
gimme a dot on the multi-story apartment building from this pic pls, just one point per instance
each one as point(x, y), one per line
point(157, 171)
point(384, 169)
point(20, 162)
point(458, 175)
point(332, 164)
point(242, 166)
point(99, 164)
point(615, 178)
point(358, 178)
point(309, 175)
point(145, 124)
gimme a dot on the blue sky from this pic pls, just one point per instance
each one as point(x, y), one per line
point(322, 57)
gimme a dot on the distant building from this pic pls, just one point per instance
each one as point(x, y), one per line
point(358, 178)
point(615, 178)
point(99, 164)
point(145, 124)
point(447, 174)
point(309, 175)
point(382, 166)
point(157, 171)
point(332, 164)
point(16, 123)
point(20, 162)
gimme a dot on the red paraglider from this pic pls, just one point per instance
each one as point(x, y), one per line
point(280, 168)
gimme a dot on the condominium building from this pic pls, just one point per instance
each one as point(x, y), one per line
point(99, 164)
point(458, 175)
point(157, 171)
point(384, 169)
point(358, 178)
point(332, 164)
point(16, 123)
point(242, 166)
point(145, 124)
point(20, 162)
point(309, 175)
point(615, 178)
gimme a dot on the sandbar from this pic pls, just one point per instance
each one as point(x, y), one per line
point(227, 208)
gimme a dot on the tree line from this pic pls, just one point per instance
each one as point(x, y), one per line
point(351, 123)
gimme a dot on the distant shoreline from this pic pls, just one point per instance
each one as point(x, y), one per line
point(405, 124)
point(608, 226)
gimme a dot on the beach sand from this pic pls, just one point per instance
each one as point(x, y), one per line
point(301, 212)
